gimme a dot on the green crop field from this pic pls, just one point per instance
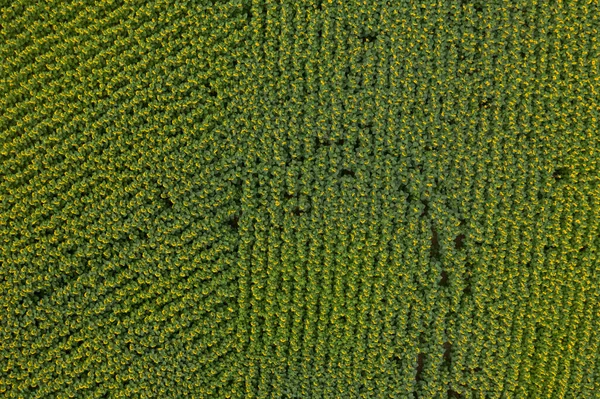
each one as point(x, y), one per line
point(300, 199)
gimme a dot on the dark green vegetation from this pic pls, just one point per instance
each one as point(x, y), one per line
point(299, 199)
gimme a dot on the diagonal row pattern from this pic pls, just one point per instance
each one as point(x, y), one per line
point(315, 199)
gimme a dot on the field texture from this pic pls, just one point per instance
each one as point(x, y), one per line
point(300, 199)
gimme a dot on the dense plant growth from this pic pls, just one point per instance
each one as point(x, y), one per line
point(299, 199)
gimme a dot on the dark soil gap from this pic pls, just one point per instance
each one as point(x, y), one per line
point(368, 37)
point(234, 222)
point(39, 295)
point(420, 366)
point(447, 352)
point(435, 245)
point(459, 241)
point(248, 11)
point(444, 280)
point(452, 394)
point(559, 173)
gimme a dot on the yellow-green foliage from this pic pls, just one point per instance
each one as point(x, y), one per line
point(299, 199)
